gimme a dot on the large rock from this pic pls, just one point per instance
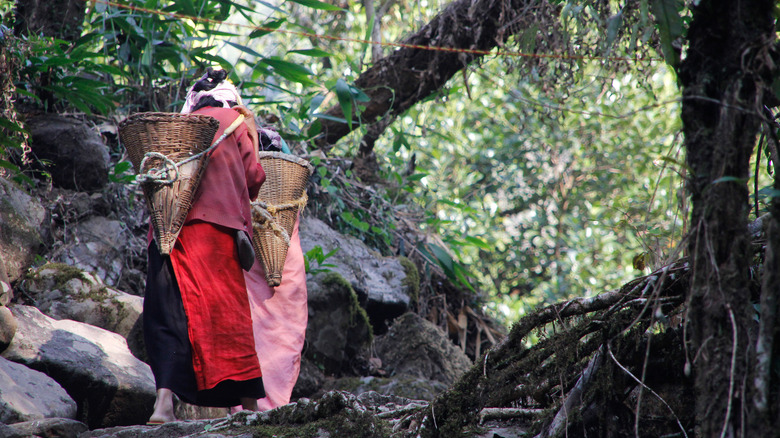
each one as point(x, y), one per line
point(102, 246)
point(110, 385)
point(338, 330)
point(6, 293)
point(31, 395)
point(21, 217)
point(49, 427)
point(66, 292)
point(8, 327)
point(377, 280)
point(79, 158)
point(414, 346)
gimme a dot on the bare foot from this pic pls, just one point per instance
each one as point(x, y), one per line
point(163, 407)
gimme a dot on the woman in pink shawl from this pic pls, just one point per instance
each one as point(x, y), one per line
point(279, 317)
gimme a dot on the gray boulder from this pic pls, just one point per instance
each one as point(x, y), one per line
point(80, 158)
point(6, 293)
point(21, 217)
point(101, 246)
point(338, 329)
point(48, 427)
point(377, 280)
point(66, 292)
point(416, 347)
point(31, 395)
point(110, 385)
point(8, 327)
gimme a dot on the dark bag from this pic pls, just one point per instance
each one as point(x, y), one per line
point(246, 252)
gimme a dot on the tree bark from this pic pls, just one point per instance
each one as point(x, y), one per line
point(397, 82)
point(766, 405)
point(724, 76)
point(61, 19)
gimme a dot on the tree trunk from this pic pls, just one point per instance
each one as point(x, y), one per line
point(397, 82)
point(55, 18)
point(723, 77)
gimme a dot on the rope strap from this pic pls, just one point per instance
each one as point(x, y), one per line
point(262, 216)
point(161, 175)
point(275, 208)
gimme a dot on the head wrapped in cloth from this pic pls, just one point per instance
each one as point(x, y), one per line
point(212, 89)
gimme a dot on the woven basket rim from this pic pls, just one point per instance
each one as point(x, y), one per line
point(288, 157)
point(153, 116)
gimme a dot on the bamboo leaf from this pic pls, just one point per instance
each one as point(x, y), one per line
point(344, 95)
point(315, 4)
point(272, 25)
point(316, 53)
point(670, 27)
point(244, 49)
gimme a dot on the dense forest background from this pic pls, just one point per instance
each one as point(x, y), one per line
point(522, 152)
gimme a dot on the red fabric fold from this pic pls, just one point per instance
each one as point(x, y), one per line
point(215, 301)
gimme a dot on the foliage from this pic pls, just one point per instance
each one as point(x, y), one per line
point(318, 256)
point(546, 195)
point(13, 136)
point(56, 73)
point(530, 180)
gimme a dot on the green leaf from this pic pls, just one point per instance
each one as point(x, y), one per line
point(7, 124)
point(218, 59)
point(730, 179)
point(275, 24)
point(344, 94)
point(478, 243)
point(315, 4)
point(443, 258)
point(9, 165)
point(331, 118)
point(769, 192)
point(221, 33)
point(290, 71)
point(670, 28)
point(244, 49)
point(315, 53)
point(186, 7)
point(461, 274)
point(613, 27)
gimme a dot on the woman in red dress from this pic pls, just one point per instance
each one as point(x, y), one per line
point(197, 321)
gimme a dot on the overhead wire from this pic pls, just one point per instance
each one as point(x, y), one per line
point(496, 53)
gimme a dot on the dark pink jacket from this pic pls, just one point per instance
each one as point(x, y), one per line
point(232, 178)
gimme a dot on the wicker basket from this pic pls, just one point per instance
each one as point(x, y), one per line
point(176, 136)
point(281, 198)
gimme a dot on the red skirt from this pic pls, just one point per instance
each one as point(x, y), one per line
point(213, 292)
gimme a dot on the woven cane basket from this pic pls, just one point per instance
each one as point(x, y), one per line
point(281, 198)
point(177, 137)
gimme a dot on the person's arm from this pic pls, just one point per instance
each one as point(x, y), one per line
point(255, 176)
point(249, 119)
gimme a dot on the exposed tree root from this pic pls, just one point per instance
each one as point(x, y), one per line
point(594, 355)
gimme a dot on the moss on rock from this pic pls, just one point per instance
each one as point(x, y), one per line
point(412, 280)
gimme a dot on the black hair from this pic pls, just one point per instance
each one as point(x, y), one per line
point(210, 101)
point(208, 82)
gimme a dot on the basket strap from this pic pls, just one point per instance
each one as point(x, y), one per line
point(263, 220)
point(275, 208)
point(161, 175)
